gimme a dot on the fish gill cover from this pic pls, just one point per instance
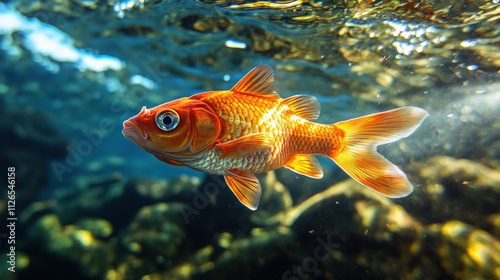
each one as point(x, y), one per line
point(90, 205)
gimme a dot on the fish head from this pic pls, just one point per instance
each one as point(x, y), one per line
point(181, 130)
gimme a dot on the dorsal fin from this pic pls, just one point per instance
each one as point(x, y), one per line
point(305, 106)
point(260, 81)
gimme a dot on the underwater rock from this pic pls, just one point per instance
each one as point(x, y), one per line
point(97, 227)
point(369, 212)
point(358, 225)
point(75, 250)
point(454, 189)
point(117, 199)
point(105, 216)
point(458, 250)
point(492, 225)
point(155, 239)
point(241, 258)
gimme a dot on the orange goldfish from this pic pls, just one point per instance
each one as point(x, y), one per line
point(250, 129)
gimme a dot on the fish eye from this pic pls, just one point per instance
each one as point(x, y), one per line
point(167, 121)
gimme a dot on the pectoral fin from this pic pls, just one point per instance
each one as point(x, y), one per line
point(245, 187)
point(306, 165)
point(245, 145)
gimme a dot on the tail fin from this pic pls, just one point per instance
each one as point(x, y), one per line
point(359, 157)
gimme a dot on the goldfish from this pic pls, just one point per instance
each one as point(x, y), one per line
point(250, 129)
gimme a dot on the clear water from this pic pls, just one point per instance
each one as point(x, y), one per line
point(91, 205)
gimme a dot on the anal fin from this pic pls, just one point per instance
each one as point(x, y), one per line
point(305, 164)
point(245, 186)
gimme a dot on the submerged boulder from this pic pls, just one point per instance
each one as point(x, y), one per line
point(454, 189)
point(76, 250)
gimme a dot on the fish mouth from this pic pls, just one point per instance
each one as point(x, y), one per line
point(131, 130)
